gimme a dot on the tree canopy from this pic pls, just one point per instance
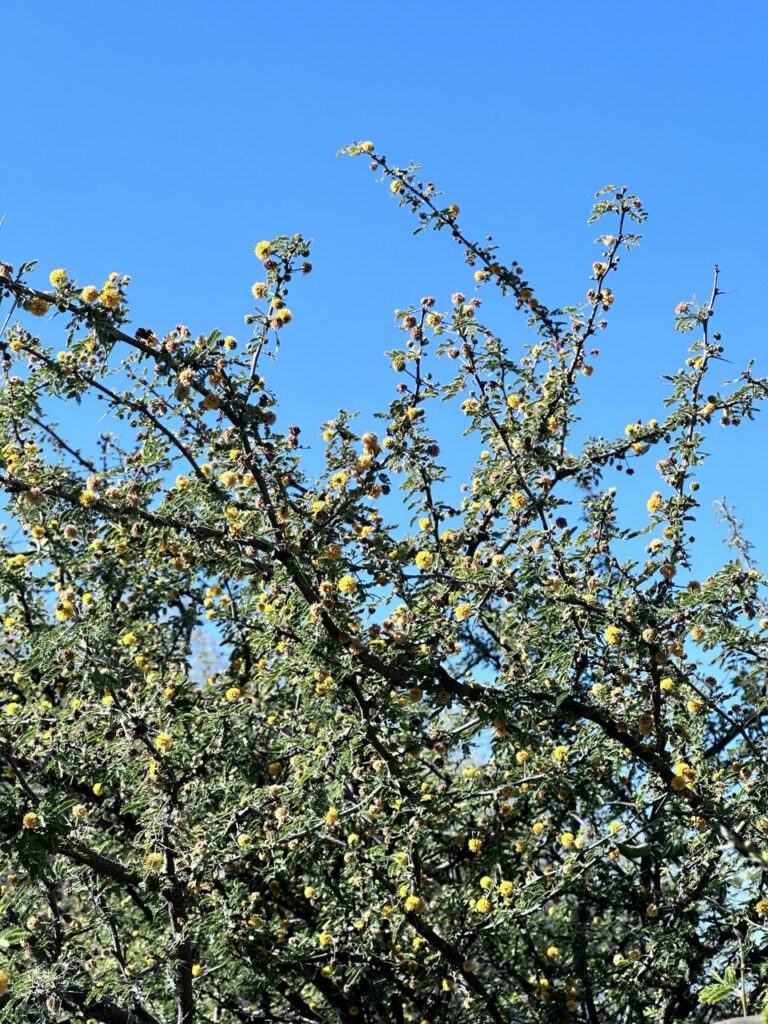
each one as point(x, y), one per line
point(293, 746)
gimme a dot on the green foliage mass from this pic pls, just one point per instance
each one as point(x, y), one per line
point(268, 756)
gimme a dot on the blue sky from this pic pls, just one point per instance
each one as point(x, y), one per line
point(165, 139)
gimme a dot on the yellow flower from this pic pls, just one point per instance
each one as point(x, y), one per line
point(567, 839)
point(58, 278)
point(560, 753)
point(30, 820)
point(163, 742)
point(694, 705)
point(88, 498)
point(331, 816)
point(197, 970)
point(667, 684)
point(325, 938)
point(612, 636)
point(262, 250)
point(366, 147)
point(697, 634)
point(79, 811)
point(97, 788)
point(683, 778)
point(483, 905)
point(552, 952)
point(518, 500)
point(243, 840)
point(475, 845)
point(506, 887)
point(462, 611)
point(414, 904)
point(395, 187)
point(537, 828)
point(761, 908)
point(424, 559)
point(153, 860)
point(486, 882)
point(4, 980)
point(37, 306)
point(109, 297)
point(655, 502)
point(259, 290)
point(309, 891)
point(347, 584)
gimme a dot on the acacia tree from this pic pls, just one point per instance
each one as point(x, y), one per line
point(270, 757)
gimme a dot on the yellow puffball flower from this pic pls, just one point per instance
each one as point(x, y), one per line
point(259, 290)
point(612, 636)
point(395, 187)
point(88, 498)
point(97, 788)
point(486, 882)
point(89, 294)
point(262, 250)
point(197, 970)
point(414, 904)
point(37, 305)
point(58, 278)
point(424, 560)
point(153, 860)
point(325, 938)
point(518, 500)
point(331, 816)
point(30, 820)
point(506, 887)
point(475, 845)
point(667, 684)
point(243, 840)
point(79, 811)
point(163, 742)
point(553, 952)
point(567, 839)
point(4, 982)
point(366, 147)
point(462, 611)
point(537, 828)
point(655, 502)
point(347, 584)
point(695, 706)
point(109, 297)
point(560, 753)
point(761, 908)
point(483, 905)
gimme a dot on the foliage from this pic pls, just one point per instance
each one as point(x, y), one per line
point(268, 757)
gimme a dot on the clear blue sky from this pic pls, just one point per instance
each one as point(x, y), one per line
point(164, 139)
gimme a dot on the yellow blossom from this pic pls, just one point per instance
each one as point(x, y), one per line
point(30, 820)
point(163, 742)
point(262, 250)
point(655, 502)
point(612, 636)
point(347, 584)
point(424, 559)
